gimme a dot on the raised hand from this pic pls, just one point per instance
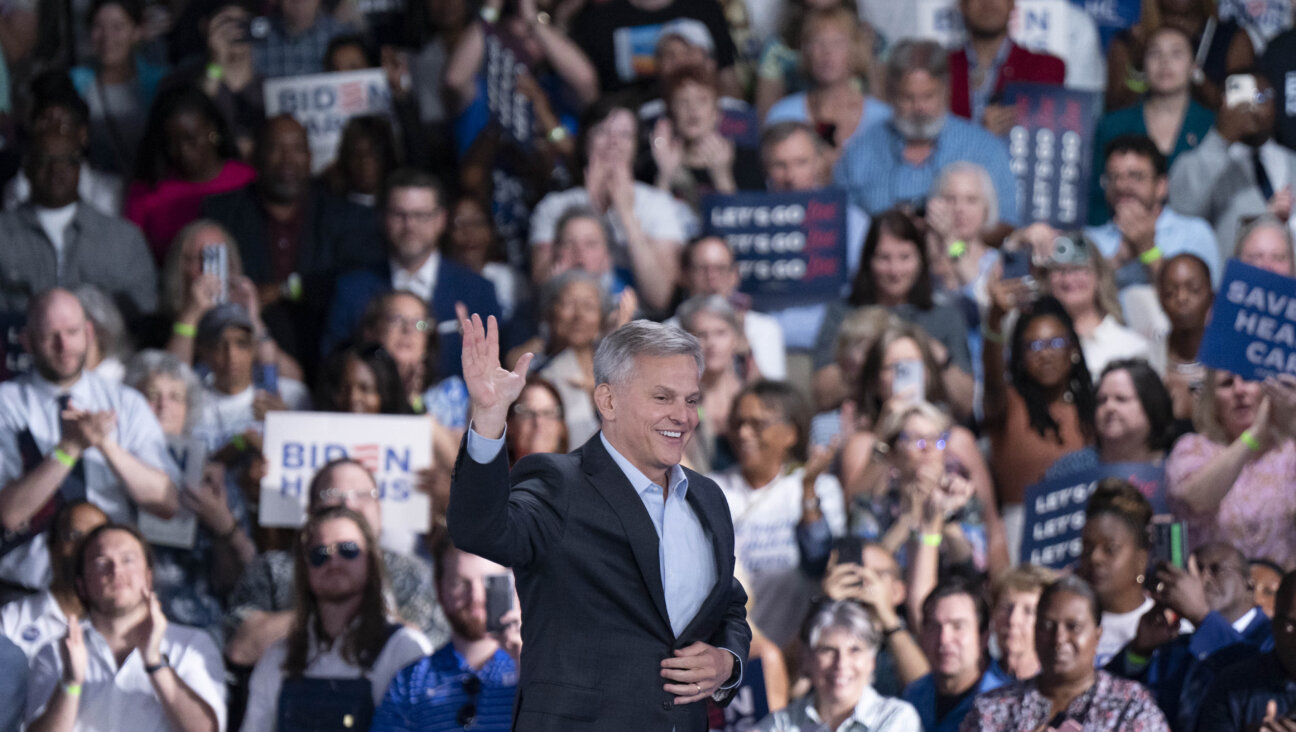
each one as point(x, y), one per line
point(150, 632)
point(75, 657)
point(491, 387)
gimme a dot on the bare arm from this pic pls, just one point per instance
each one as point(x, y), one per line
point(1206, 488)
point(963, 446)
point(255, 634)
point(184, 708)
point(150, 488)
point(23, 497)
point(462, 67)
point(568, 60)
point(655, 262)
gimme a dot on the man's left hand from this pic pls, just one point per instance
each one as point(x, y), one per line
point(152, 630)
point(696, 671)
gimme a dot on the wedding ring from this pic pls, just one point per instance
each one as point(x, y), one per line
point(659, 141)
point(697, 686)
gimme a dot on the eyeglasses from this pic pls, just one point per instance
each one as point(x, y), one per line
point(1133, 176)
point(922, 442)
point(1047, 344)
point(758, 425)
point(467, 715)
point(328, 495)
point(404, 323)
point(521, 411)
point(319, 555)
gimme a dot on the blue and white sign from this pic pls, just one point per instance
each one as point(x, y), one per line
point(1252, 329)
point(1050, 147)
point(1055, 510)
point(393, 447)
point(790, 247)
point(324, 102)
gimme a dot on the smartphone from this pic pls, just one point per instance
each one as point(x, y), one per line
point(1169, 544)
point(215, 262)
point(1016, 264)
point(1240, 89)
point(265, 376)
point(499, 600)
point(850, 549)
point(909, 379)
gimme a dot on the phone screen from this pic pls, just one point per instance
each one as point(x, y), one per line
point(909, 380)
point(499, 600)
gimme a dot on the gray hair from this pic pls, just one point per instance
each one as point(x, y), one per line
point(1264, 221)
point(778, 132)
point(572, 213)
point(558, 284)
point(915, 54)
point(615, 358)
point(152, 362)
point(109, 325)
point(844, 615)
point(988, 193)
point(715, 305)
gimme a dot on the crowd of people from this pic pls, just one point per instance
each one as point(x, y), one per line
point(176, 263)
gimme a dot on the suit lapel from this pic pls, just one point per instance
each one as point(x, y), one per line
point(615, 488)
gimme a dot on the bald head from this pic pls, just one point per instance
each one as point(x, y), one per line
point(283, 160)
point(58, 335)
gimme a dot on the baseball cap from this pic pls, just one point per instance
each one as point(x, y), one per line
point(691, 31)
point(215, 321)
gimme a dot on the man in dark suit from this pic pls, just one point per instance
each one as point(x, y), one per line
point(631, 616)
point(413, 206)
point(293, 237)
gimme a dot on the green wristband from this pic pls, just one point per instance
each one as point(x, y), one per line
point(1248, 439)
point(239, 442)
point(1151, 255)
point(1135, 659)
point(63, 458)
point(184, 329)
point(931, 539)
point(72, 689)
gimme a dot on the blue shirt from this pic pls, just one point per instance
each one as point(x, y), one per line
point(13, 685)
point(428, 694)
point(1175, 234)
point(922, 694)
point(796, 108)
point(876, 177)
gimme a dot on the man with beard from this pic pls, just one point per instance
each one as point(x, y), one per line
point(470, 682)
point(1238, 170)
point(1144, 232)
point(68, 435)
point(989, 60)
point(899, 161)
point(124, 666)
point(293, 237)
point(1213, 594)
point(35, 620)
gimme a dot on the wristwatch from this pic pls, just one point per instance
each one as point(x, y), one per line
point(164, 662)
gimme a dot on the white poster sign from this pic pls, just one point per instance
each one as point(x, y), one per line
point(324, 103)
point(393, 447)
point(181, 530)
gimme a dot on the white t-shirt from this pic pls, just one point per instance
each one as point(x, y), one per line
point(55, 222)
point(765, 521)
point(120, 698)
point(404, 647)
point(1112, 341)
point(1117, 630)
point(660, 217)
point(226, 415)
point(32, 622)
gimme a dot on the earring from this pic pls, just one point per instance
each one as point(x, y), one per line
point(1140, 578)
point(1075, 357)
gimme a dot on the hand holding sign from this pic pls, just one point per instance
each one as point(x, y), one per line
point(491, 387)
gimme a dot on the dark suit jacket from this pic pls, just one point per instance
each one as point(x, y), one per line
point(454, 283)
point(594, 621)
point(1021, 65)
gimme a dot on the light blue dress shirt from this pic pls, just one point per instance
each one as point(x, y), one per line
point(681, 537)
point(1175, 234)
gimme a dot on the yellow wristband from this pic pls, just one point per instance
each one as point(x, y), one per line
point(63, 458)
point(184, 329)
point(1248, 439)
point(1150, 255)
point(72, 689)
point(931, 539)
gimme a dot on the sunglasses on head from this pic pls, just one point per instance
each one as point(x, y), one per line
point(319, 555)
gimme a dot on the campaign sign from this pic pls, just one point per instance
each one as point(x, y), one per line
point(505, 59)
point(749, 705)
point(1252, 329)
point(940, 21)
point(16, 360)
point(324, 102)
point(1112, 16)
point(392, 447)
point(1049, 147)
point(1055, 509)
point(181, 530)
point(790, 247)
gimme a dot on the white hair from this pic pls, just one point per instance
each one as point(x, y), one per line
point(615, 358)
point(988, 192)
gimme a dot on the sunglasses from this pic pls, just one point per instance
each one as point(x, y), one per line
point(319, 555)
point(467, 715)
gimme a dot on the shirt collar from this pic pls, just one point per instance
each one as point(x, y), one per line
point(424, 276)
point(48, 388)
point(863, 712)
point(640, 482)
point(1241, 624)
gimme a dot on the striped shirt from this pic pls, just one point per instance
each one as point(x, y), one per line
point(432, 694)
point(876, 176)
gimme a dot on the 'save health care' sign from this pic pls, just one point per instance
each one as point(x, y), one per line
point(1252, 330)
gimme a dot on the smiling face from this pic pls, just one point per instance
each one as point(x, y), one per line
point(1119, 416)
point(841, 665)
point(1236, 402)
point(895, 266)
point(1131, 176)
point(612, 141)
point(1066, 637)
point(951, 638)
point(761, 435)
point(535, 423)
point(651, 416)
point(116, 574)
point(167, 397)
point(1047, 363)
point(113, 35)
point(358, 391)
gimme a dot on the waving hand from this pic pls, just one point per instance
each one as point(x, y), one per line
point(491, 387)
